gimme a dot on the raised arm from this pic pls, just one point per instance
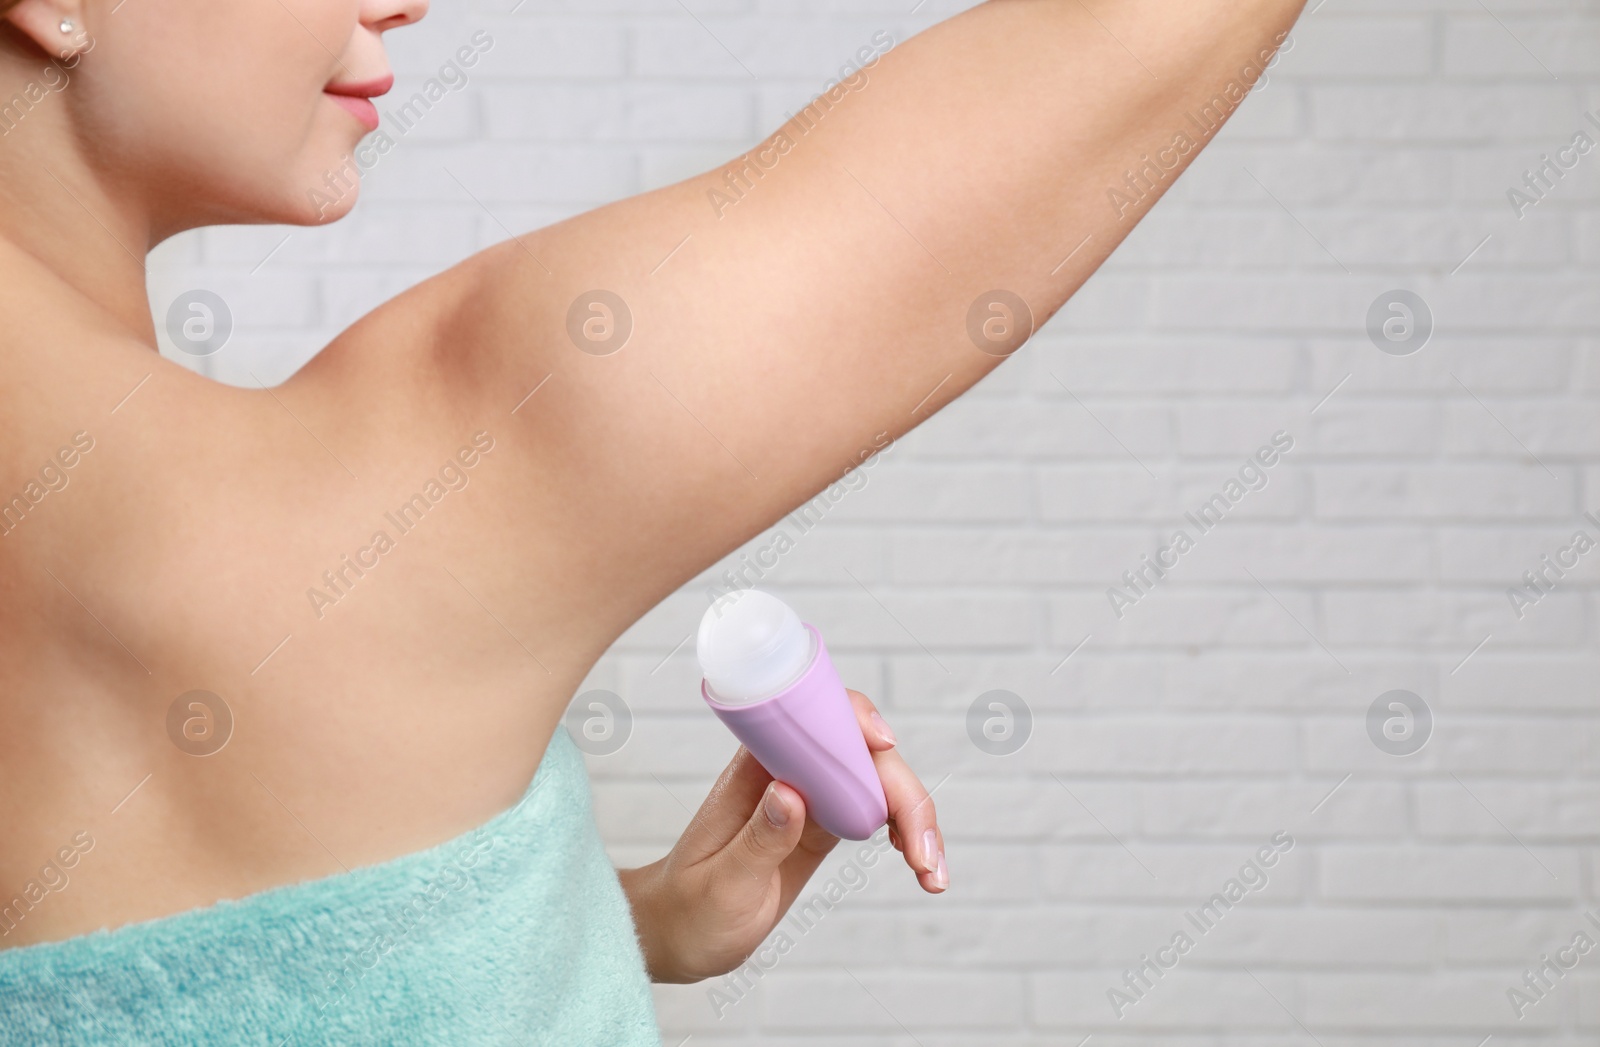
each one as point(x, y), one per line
point(792, 311)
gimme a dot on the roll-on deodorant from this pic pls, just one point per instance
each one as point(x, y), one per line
point(769, 678)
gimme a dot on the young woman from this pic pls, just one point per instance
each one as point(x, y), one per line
point(381, 582)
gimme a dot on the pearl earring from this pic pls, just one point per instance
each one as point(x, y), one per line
point(67, 25)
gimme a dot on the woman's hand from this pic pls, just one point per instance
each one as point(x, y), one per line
point(705, 907)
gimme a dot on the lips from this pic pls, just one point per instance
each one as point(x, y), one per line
point(356, 98)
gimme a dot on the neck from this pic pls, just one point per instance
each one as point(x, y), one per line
point(60, 218)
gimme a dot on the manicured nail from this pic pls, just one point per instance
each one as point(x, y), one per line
point(930, 850)
point(882, 727)
point(941, 876)
point(777, 810)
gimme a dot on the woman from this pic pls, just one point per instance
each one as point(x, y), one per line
point(380, 583)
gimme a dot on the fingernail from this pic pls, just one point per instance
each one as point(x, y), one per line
point(941, 876)
point(882, 727)
point(930, 850)
point(777, 810)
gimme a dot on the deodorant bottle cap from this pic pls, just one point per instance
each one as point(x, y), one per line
point(751, 645)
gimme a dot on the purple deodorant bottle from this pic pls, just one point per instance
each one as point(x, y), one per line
point(769, 678)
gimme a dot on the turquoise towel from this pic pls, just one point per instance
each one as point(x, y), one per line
point(515, 933)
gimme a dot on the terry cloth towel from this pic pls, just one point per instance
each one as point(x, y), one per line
point(517, 932)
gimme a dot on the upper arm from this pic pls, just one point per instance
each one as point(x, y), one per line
point(788, 314)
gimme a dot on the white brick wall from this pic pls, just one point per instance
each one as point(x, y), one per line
point(1224, 707)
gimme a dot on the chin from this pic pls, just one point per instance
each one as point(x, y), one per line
point(327, 189)
point(330, 208)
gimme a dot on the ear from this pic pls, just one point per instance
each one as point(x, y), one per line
point(56, 26)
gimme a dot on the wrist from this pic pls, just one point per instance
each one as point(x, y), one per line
point(643, 887)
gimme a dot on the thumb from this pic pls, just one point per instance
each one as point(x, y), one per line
point(770, 834)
